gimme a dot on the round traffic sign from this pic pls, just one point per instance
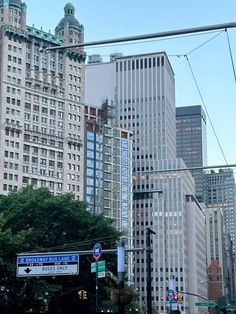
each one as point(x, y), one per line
point(170, 293)
point(97, 251)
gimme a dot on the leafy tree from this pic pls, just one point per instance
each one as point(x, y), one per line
point(34, 220)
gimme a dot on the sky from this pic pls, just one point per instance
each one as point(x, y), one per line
point(210, 63)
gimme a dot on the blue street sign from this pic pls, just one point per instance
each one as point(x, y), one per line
point(171, 293)
point(47, 264)
point(97, 251)
point(171, 302)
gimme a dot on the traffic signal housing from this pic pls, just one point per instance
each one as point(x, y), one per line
point(175, 297)
point(82, 294)
point(180, 299)
point(85, 296)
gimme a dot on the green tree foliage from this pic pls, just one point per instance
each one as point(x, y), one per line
point(34, 220)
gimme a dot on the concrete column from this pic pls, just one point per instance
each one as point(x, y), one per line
point(32, 69)
point(49, 76)
point(56, 68)
point(40, 64)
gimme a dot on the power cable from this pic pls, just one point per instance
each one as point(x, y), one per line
point(72, 245)
point(203, 102)
point(231, 55)
point(199, 46)
point(205, 107)
point(205, 42)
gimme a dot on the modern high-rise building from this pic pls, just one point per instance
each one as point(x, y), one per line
point(143, 87)
point(108, 172)
point(42, 92)
point(192, 145)
point(222, 193)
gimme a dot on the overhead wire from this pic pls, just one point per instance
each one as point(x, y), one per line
point(73, 244)
point(198, 88)
point(191, 69)
point(206, 110)
point(197, 47)
point(205, 42)
point(231, 55)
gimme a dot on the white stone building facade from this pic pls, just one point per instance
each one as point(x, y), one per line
point(41, 109)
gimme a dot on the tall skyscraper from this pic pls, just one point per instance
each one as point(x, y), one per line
point(222, 193)
point(42, 93)
point(192, 144)
point(144, 90)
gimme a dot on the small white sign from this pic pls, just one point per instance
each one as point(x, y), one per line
point(47, 270)
point(101, 274)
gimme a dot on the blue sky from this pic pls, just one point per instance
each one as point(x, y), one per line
point(211, 63)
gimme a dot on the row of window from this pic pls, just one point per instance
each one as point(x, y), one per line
point(12, 155)
point(11, 165)
point(13, 90)
point(12, 101)
point(43, 172)
point(42, 151)
point(139, 64)
point(12, 133)
point(14, 69)
point(43, 140)
point(13, 80)
point(51, 122)
point(74, 68)
point(43, 161)
point(15, 49)
point(49, 184)
point(10, 176)
point(43, 130)
point(10, 187)
point(12, 144)
point(14, 59)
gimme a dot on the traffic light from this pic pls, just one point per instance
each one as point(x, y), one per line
point(180, 299)
point(175, 297)
point(80, 294)
point(85, 296)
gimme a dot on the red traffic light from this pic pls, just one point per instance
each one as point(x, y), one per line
point(175, 297)
point(80, 294)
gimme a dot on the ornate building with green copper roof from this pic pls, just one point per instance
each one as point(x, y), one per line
point(41, 105)
point(69, 27)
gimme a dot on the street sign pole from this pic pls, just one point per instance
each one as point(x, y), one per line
point(121, 271)
point(96, 286)
point(97, 251)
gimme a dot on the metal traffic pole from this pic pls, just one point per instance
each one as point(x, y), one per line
point(121, 271)
point(97, 251)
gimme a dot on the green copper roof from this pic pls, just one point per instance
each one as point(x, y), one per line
point(11, 2)
point(45, 36)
